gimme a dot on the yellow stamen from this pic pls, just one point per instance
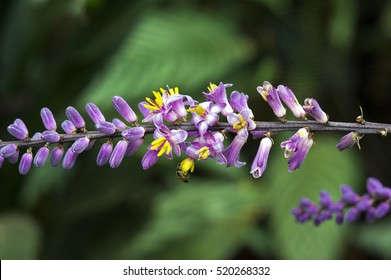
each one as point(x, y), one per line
point(187, 165)
point(241, 123)
point(211, 87)
point(154, 105)
point(203, 153)
point(163, 144)
point(199, 110)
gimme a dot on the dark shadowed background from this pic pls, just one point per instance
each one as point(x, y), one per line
point(60, 53)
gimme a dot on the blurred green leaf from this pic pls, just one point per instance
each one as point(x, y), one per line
point(375, 238)
point(19, 237)
point(324, 168)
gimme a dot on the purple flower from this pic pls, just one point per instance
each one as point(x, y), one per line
point(133, 133)
point(232, 152)
point(14, 157)
point(104, 154)
point(349, 140)
point(259, 164)
point(149, 159)
point(208, 145)
point(325, 200)
point(205, 114)
point(18, 129)
point(297, 148)
point(348, 195)
point(74, 116)
point(218, 94)
point(106, 127)
point(94, 113)
point(120, 125)
point(118, 153)
point(290, 100)
point(69, 159)
point(177, 104)
point(25, 162)
point(48, 119)
point(41, 156)
point(241, 123)
point(270, 95)
point(312, 108)
point(167, 140)
point(68, 127)
point(50, 136)
point(382, 209)
point(133, 146)
point(80, 145)
point(124, 109)
point(57, 154)
point(8, 151)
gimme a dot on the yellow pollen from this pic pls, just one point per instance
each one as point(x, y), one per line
point(198, 109)
point(203, 153)
point(154, 105)
point(187, 165)
point(163, 144)
point(240, 124)
point(211, 87)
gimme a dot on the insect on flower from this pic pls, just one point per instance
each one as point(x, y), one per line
point(184, 176)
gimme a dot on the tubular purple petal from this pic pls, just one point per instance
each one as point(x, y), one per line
point(218, 94)
point(48, 119)
point(106, 127)
point(374, 185)
point(232, 152)
point(290, 100)
point(382, 210)
point(57, 154)
point(149, 159)
point(94, 113)
point(104, 154)
point(8, 151)
point(17, 131)
point(119, 124)
point(178, 136)
point(133, 146)
point(118, 153)
point(133, 133)
point(349, 140)
point(41, 156)
point(25, 163)
point(124, 109)
point(50, 136)
point(68, 127)
point(312, 108)
point(74, 116)
point(259, 164)
point(69, 159)
point(36, 136)
point(80, 145)
point(270, 95)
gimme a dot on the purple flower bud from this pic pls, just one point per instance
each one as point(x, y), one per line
point(124, 109)
point(133, 133)
point(48, 119)
point(270, 95)
point(384, 193)
point(41, 156)
point(25, 163)
point(57, 155)
point(348, 195)
point(8, 151)
point(80, 145)
point(149, 159)
point(339, 218)
point(119, 124)
point(382, 210)
point(371, 215)
point(322, 216)
point(258, 166)
point(37, 136)
point(90, 145)
point(106, 127)
point(290, 100)
point(349, 140)
point(18, 129)
point(133, 146)
point(74, 116)
point(94, 113)
point(69, 159)
point(364, 204)
point(373, 186)
point(118, 153)
point(68, 127)
point(312, 108)
point(325, 199)
point(258, 133)
point(50, 136)
point(352, 215)
point(14, 157)
point(104, 154)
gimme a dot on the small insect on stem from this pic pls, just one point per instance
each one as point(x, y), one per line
point(182, 175)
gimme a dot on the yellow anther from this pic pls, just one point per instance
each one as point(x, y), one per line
point(199, 110)
point(163, 144)
point(203, 153)
point(241, 123)
point(187, 165)
point(211, 87)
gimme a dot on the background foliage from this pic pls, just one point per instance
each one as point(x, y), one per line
point(60, 53)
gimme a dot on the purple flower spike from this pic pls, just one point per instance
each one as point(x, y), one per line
point(104, 154)
point(57, 155)
point(133, 133)
point(119, 124)
point(349, 140)
point(260, 161)
point(68, 127)
point(270, 95)
point(94, 113)
point(124, 109)
point(80, 145)
point(149, 159)
point(41, 156)
point(50, 136)
point(25, 163)
point(106, 127)
point(18, 129)
point(8, 151)
point(74, 116)
point(69, 159)
point(118, 153)
point(290, 100)
point(133, 146)
point(312, 108)
point(48, 119)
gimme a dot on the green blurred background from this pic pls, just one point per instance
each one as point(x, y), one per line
point(61, 53)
